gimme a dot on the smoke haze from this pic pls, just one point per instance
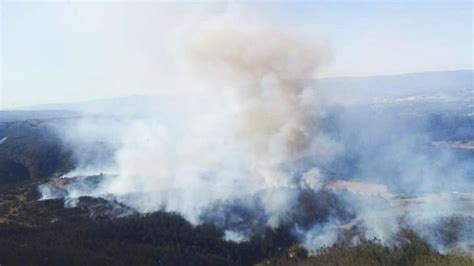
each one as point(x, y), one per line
point(256, 143)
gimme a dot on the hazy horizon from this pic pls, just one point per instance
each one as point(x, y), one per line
point(79, 51)
point(154, 94)
point(224, 133)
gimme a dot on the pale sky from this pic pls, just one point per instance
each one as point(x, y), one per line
point(53, 52)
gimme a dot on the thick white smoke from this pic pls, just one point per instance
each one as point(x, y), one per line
point(257, 116)
point(251, 116)
point(274, 111)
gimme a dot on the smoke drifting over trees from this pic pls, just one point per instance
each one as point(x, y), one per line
point(263, 146)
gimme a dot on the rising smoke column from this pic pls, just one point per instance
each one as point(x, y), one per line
point(231, 155)
point(268, 71)
point(256, 116)
point(273, 109)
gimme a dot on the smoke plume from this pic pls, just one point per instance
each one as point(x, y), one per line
point(250, 146)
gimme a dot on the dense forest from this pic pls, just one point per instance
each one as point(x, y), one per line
point(36, 232)
point(102, 232)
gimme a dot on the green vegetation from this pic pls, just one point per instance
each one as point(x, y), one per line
point(31, 150)
point(46, 233)
point(414, 252)
point(97, 231)
point(36, 232)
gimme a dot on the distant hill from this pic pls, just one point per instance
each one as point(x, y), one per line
point(23, 115)
point(434, 86)
point(444, 101)
point(135, 104)
point(401, 84)
point(31, 150)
